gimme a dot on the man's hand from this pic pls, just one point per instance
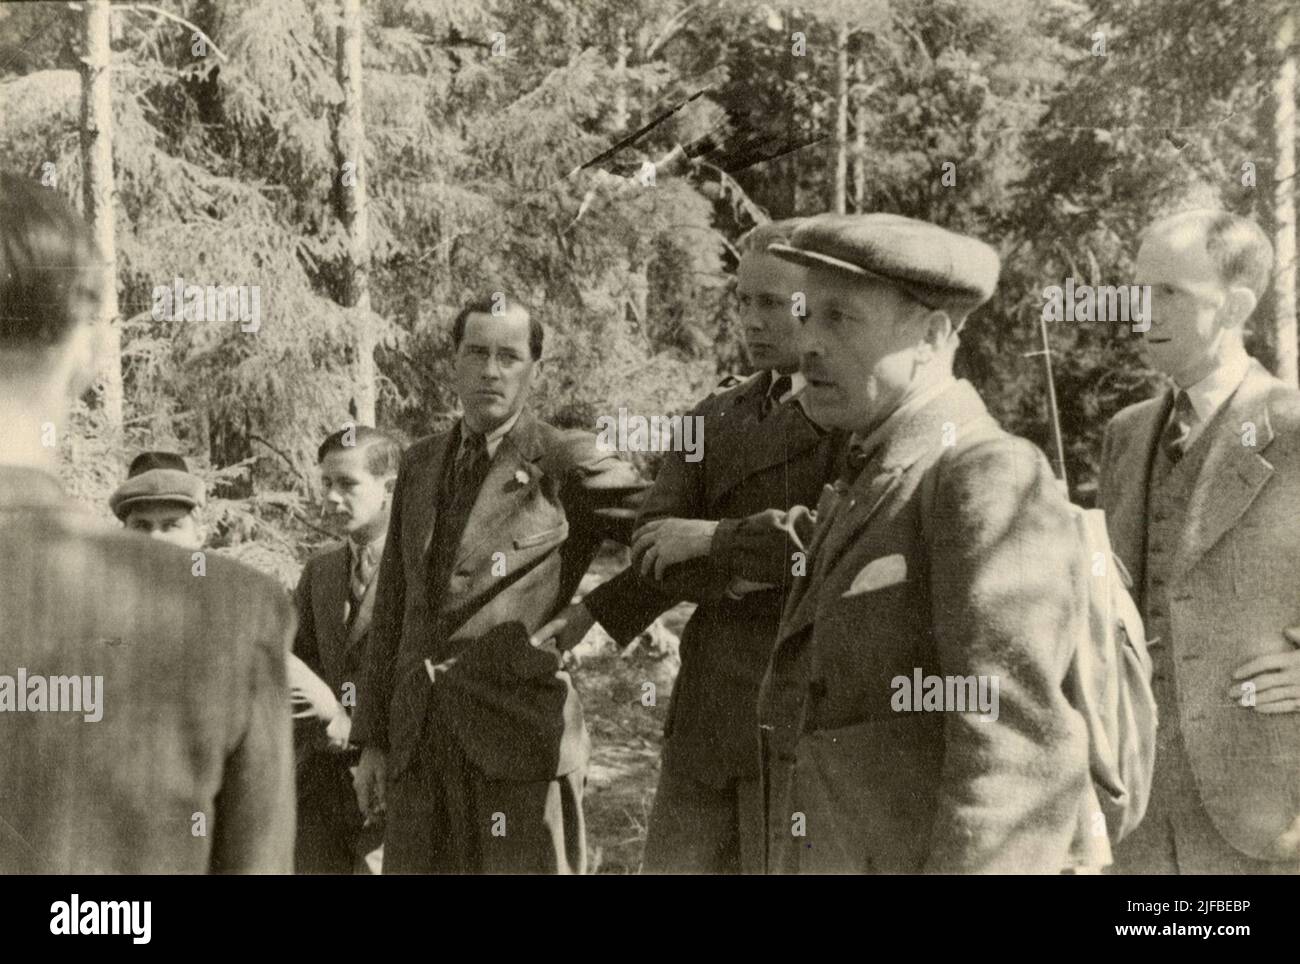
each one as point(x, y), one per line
point(371, 782)
point(1274, 679)
point(666, 542)
point(565, 631)
point(339, 729)
point(309, 694)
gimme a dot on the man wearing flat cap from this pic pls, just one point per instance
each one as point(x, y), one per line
point(161, 499)
point(913, 713)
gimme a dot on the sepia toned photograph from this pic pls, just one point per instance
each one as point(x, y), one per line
point(578, 437)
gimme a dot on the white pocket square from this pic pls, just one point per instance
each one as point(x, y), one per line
point(879, 573)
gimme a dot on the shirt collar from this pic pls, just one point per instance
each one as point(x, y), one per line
point(915, 403)
point(1208, 395)
point(492, 441)
point(797, 383)
point(375, 545)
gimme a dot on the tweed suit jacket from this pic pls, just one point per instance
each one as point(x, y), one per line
point(191, 767)
point(1235, 585)
point(456, 656)
point(980, 583)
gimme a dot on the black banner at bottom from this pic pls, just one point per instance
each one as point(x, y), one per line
point(338, 916)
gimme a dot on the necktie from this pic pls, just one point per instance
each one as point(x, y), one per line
point(460, 492)
point(473, 452)
point(1174, 438)
point(362, 569)
point(780, 385)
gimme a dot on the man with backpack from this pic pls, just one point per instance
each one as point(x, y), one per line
point(1201, 487)
point(915, 710)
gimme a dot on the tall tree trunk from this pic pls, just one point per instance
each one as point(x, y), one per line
point(1284, 186)
point(350, 203)
point(860, 137)
point(789, 163)
point(839, 191)
point(98, 189)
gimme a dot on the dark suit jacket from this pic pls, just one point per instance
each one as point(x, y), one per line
point(1235, 586)
point(981, 583)
point(196, 708)
point(749, 464)
point(324, 641)
point(329, 646)
point(549, 499)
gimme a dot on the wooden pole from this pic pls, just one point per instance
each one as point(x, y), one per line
point(98, 191)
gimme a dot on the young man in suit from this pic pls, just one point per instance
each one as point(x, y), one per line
point(473, 734)
point(161, 499)
point(185, 765)
point(1201, 487)
point(914, 708)
point(761, 451)
point(335, 599)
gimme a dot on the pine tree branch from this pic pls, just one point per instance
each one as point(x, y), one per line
point(150, 8)
point(287, 460)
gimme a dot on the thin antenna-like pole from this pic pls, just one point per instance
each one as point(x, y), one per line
point(1051, 404)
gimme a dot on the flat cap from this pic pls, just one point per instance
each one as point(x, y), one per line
point(939, 268)
point(157, 477)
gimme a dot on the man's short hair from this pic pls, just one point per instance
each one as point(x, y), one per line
point(490, 305)
point(773, 232)
point(48, 266)
point(382, 451)
point(1238, 247)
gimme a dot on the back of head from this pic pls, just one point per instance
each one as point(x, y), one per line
point(48, 266)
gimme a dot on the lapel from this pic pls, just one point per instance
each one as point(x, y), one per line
point(800, 604)
point(1231, 474)
point(915, 435)
point(844, 512)
point(361, 621)
point(750, 444)
point(332, 596)
point(1128, 480)
point(423, 495)
point(504, 488)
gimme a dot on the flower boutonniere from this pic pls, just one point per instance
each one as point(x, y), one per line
point(522, 477)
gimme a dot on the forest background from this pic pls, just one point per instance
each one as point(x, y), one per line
point(369, 166)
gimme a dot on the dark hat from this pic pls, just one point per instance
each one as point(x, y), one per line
point(157, 477)
point(937, 267)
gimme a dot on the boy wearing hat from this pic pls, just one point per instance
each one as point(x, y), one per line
point(913, 709)
point(335, 599)
point(161, 499)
